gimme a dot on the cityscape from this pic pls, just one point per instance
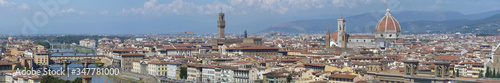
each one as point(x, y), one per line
point(250, 41)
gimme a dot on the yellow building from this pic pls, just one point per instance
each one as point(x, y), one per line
point(476, 69)
point(341, 78)
point(341, 69)
point(16, 51)
point(42, 58)
point(157, 68)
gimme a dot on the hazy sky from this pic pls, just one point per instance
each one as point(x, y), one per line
point(199, 16)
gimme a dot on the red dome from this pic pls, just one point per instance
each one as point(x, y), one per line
point(334, 35)
point(388, 23)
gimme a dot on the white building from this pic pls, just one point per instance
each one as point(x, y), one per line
point(172, 68)
point(88, 43)
point(140, 66)
point(242, 76)
point(179, 50)
point(208, 74)
point(226, 73)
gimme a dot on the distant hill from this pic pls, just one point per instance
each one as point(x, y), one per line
point(486, 25)
point(410, 21)
point(483, 15)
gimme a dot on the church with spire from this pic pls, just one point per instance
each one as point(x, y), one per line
point(387, 35)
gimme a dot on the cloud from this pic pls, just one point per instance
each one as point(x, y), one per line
point(69, 11)
point(24, 6)
point(383, 1)
point(351, 3)
point(179, 7)
point(105, 12)
point(6, 3)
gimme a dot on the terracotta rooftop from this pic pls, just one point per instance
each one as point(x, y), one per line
point(344, 76)
point(2, 62)
point(132, 54)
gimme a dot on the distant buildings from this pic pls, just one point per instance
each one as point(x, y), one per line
point(104, 41)
point(90, 43)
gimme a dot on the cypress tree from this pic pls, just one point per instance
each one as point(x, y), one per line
point(453, 72)
point(493, 74)
point(498, 74)
point(487, 74)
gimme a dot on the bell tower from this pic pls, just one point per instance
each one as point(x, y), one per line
point(341, 33)
point(327, 38)
point(221, 24)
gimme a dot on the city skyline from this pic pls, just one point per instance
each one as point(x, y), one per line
point(147, 16)
point(302, 41)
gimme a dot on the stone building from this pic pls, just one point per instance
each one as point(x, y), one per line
point(387, 35)
point(42, 58)
point(411, 74)
point(221, 24)
point(128, 58)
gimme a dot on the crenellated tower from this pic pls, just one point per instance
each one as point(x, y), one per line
point(221, 24)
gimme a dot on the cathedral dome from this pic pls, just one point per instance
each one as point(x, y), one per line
point(334, 35)
point(388, 24)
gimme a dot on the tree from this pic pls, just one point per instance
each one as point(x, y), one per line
point(44, 44)
point(67, 81)
point(480, 74)
point(289, 78)
point(183, 73)
point(498, 74)
point(18, 65)
point(51, 79)
point(493, 74)
point(457, 73)
point(488, 74)
point(77, 80)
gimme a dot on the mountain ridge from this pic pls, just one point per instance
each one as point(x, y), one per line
point(414, 21)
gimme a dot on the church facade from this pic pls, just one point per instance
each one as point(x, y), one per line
point(387, 35)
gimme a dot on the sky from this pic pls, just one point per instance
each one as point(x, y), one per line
point(199, 16)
